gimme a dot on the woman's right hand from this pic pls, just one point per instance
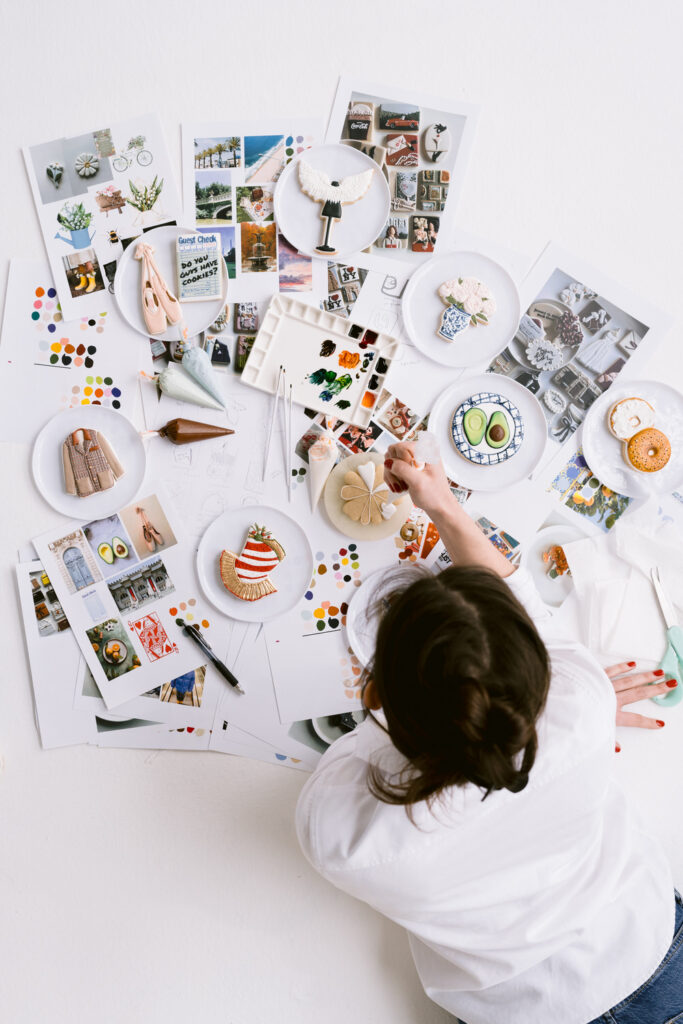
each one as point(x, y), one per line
point(428, 487)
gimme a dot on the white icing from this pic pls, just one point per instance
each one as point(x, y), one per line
point(387, 509)
point(629, 416)
point(318, 186)
point(367, 474)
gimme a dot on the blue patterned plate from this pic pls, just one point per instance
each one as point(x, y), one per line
point(482, 454)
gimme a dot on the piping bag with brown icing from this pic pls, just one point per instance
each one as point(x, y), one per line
point(181, 431)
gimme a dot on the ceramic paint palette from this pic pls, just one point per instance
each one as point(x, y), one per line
point(334, 366)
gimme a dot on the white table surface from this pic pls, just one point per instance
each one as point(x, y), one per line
point(166, 887)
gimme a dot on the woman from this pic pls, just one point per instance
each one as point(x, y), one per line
point(476, 808)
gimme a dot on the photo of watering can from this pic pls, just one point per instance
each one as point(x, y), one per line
point(75, 219)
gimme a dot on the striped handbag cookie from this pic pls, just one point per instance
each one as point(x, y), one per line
point(246, 575)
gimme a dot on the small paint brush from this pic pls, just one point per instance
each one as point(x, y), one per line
point(276, 399)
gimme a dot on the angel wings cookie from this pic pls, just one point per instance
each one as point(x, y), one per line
point(333, 195)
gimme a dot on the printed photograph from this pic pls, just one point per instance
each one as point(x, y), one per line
point(312, 434)
point(113, 648)
point(296, 271)
point(83, 272)
point(145, 583)
point(213, 199)
point(344, 283)
point(359, 439)
point(152, 636)
point(254, 204)
point(579, 490)
point(504, 542)
point(210, 153)
point(77, 564)
point(146, 523)
point(111, 545)
point(571, 345)
point(187, 689)
point(424, 233)
point(264, 157)
point(398, 115)
point(65, 168)
point(258, 248)
point(50, 617)
point(398, 419)
point(227, 236)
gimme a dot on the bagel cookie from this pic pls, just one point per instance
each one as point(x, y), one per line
point(648, 451)
point(628, 416)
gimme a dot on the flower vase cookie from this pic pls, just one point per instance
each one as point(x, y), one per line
point(469, 303)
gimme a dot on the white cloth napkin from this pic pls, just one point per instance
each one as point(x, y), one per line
point(620, 615)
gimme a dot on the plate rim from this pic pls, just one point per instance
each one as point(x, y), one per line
point(201, 576)
point(412, 285)
point(287, 173)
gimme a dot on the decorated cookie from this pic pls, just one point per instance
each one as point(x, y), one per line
point(556, 561)
point(246, 575)
point(86, 165)
point(359, 120)
point(629, 343)
point(333, 195)
point(403, 190)
point(554, 401)
point(628, 416)
point(55, 173)
point(401, 150)
point(594, 317)
point(469, 303)
point(596, 354)
point(575, 292)
point(648, 451)
point(365, 495)
point(530, 329)
point(436, 141)
point(544, 354)
point(487, 429)
point(569, 330)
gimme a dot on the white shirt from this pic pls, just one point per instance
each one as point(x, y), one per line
point(524, 908)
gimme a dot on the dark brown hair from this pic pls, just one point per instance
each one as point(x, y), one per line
point(462, 676)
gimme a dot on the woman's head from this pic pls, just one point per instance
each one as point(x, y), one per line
point(462, 676)
point(391, 231)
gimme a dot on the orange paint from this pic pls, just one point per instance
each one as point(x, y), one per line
point(349, 360)
point(368, 400)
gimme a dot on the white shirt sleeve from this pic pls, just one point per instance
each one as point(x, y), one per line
point(523, 587)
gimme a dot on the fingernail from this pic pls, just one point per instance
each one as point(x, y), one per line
point(658, 672)
point(388, 463)
point(660, 723)
point(631, 664)
point(617, 748)
point(671, 683)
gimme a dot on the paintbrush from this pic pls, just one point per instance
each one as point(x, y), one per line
point(276, 399)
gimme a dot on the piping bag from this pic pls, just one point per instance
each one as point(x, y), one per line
point(180, 431)
point(175, 383)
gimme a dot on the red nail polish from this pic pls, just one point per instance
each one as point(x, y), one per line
point(671, 683)
point(388, 463)
point(658, 672)
point(631, 664)
point(660, 723)
point(617, 748)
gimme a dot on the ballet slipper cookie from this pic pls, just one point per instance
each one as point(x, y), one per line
point(648, 451)
point(628, 416)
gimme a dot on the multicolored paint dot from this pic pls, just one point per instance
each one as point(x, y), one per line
point(93, 391)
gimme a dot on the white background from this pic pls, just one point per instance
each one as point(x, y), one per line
point(169, 887)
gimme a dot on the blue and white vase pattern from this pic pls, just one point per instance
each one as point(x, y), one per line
point(453, 322)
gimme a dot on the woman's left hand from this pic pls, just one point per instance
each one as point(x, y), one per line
point(631, 686)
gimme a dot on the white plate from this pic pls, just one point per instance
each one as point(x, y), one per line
point(198, 316)
point(362, 619)
point(291, 576)
point(555, 591)
point(421, 309)
point(516, 468)
point(604, 453)
point(299, 218)
point(48, 468)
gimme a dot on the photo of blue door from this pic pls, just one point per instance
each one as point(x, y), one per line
point(76, 567)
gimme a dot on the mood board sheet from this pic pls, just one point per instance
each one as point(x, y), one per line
point(422, 145)
point(94, 193)
point(50, 363)
point(121, 581)
point(230, 170)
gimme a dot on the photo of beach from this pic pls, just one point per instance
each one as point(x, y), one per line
point(296, 271)
point(218, 152)
point(264, 157)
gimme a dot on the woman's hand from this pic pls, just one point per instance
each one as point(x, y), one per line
point(428, 487)
point(631, 686)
